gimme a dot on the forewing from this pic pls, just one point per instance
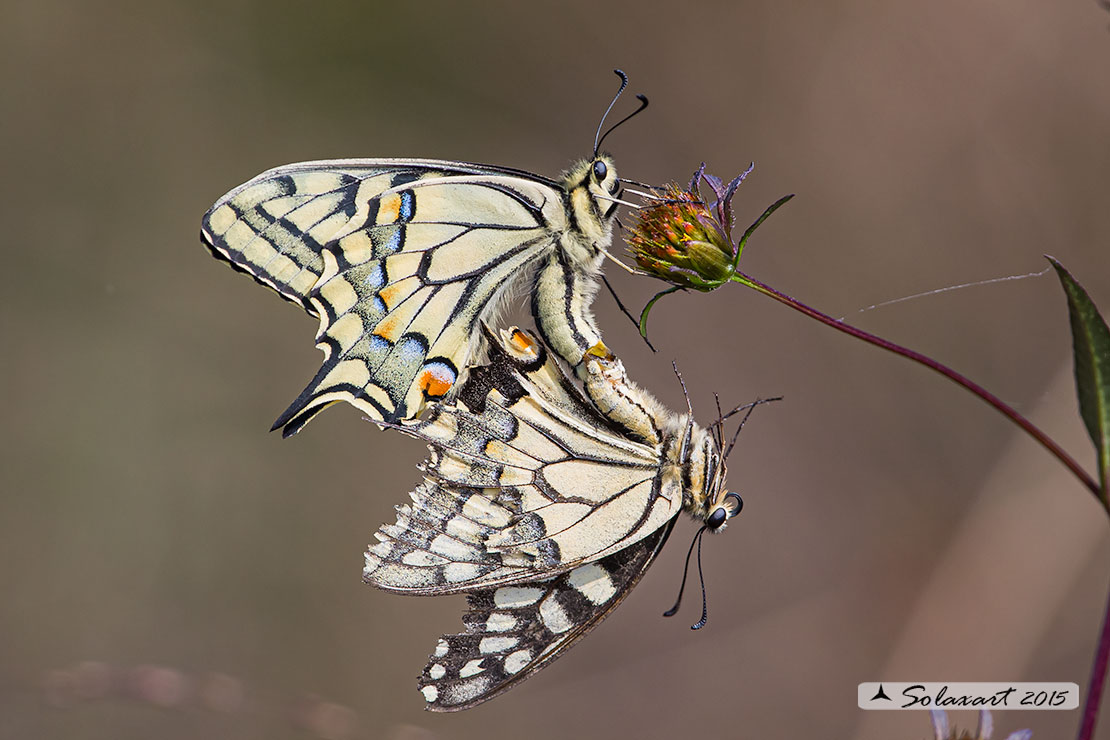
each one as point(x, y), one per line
point(399, 259)
point(514, 631)
point(523, 482)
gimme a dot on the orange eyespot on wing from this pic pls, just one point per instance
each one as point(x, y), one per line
point(436, 379)
point(523, 344)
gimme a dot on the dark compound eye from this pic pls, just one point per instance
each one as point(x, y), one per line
point(717, 518)
point(600, 170)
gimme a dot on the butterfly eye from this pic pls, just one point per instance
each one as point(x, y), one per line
point(717, 518)
point(600, 170)
point(737, 504)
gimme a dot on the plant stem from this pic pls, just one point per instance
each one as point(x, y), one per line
point(947, 372)
point(1097, 680)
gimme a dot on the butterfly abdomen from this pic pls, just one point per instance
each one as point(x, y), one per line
point(567, 281)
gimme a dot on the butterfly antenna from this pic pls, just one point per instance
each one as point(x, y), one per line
point(685, 570)
point(689, 434)
point(704, 604)
point(715, 427)
point(682, 382)
point(625, 311)
point(746, 406)
point(643, 104)
point(751, 408)
point(598, 137)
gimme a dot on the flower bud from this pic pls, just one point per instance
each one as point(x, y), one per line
point(679, 240)
point(687, 242)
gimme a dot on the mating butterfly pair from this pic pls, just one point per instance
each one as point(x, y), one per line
point(544, 501)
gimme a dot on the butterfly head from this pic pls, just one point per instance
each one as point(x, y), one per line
point(719, 505)
point(592, 190)
point(702, 466)
point(726, 507)
point(596, 178)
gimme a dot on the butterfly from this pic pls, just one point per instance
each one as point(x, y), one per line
point(541, 508)
point(401, 259)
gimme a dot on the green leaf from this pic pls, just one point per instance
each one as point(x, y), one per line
point(647, 308)
point(766, 214)
point(1091, 341)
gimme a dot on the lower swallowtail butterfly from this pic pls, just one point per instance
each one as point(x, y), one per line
point(544, 509)
point(401, 259)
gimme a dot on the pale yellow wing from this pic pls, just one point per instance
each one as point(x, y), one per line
point(399, 259)
point(525, 480)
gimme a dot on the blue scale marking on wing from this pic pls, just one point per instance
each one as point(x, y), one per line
point(424, 297)
point(306, 249)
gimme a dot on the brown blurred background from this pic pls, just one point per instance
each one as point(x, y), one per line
point(172, 570)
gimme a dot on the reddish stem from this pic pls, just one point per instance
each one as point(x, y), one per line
point(1095, 685)
point(947, 372)
point(1098, 679)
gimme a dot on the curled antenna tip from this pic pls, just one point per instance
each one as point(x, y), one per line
point(600, 137)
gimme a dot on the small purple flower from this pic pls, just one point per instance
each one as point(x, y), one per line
point(941, 730)
point(685, 240)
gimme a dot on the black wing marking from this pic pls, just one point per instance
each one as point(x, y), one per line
point(514, 631)
point(399, 260)
point(527, 489)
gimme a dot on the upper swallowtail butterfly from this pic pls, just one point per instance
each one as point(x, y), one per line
point(544, 510)
point(400, 259)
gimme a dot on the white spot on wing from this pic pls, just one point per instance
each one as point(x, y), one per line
point(593, 582)
point(457, 572)
point(497, 644)
point(486, 512)
point(431, 693)
point(500, 622)
point(472, 668)
point(465, 691)
point(554, 616)
point(451, 548)
point(517, 660)
point(437, 671)
point(514, 597)
point(441, 648)
point(422, 559)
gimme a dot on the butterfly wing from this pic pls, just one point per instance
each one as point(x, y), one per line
point(525, 481)
point(399, 260)
point(514, 631)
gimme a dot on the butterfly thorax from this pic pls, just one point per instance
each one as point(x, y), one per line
point(690, 456)
point(567, 281)
point(591, 186)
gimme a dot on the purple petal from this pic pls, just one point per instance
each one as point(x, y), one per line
point(940, 723)
point(724, 207)
point(696, 178)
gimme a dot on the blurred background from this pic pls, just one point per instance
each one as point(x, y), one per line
point(172, 570)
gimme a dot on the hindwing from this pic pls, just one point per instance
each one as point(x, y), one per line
point(514, 631)
point(399, 260)
point(525, 482)
point(539, 508)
